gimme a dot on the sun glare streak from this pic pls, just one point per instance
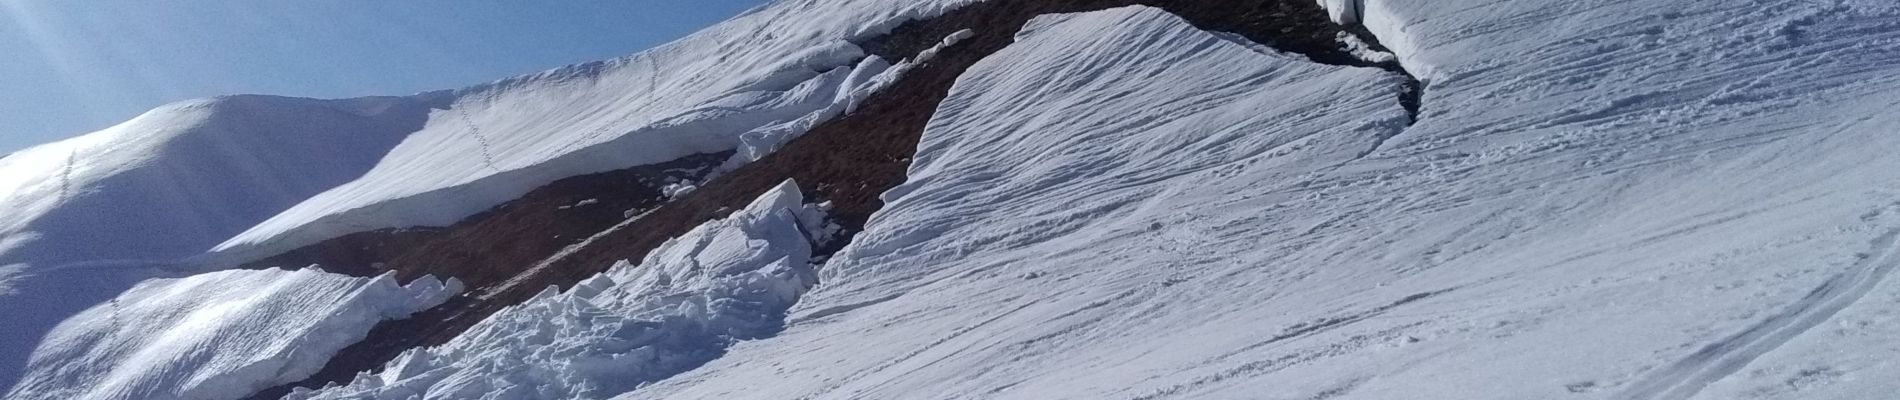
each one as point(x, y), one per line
point(64, 59)
point(40, 37)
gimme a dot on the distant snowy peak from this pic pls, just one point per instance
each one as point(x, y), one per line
point(182, 177)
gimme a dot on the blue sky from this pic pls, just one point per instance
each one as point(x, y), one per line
point(72, 67)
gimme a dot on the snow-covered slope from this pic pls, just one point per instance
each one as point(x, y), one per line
point(220, 335)
point(702, 94)
point(179, 179)
point(1603, 199)
point(725, 281)
point(253, 176)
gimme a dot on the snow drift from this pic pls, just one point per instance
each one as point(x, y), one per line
point(220, 335)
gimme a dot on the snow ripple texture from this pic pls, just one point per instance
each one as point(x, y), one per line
point(726, 281)
point(220, 335)
point(1602, 199)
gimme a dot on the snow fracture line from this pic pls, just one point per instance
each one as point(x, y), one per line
point(1688, 376)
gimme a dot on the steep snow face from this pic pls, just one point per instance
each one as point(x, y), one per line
point(221, 335)
point(725, 281)
point(1602, 200)
point(766, 70)
point(186, 176)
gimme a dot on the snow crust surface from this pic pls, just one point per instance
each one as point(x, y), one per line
point(726, 281)
point(1602, 200)
point(220, 335)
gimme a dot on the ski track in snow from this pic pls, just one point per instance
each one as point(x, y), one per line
point(1683, 379)
point(66, 176)
point(488, 154)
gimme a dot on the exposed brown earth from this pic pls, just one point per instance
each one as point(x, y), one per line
point(850, 161)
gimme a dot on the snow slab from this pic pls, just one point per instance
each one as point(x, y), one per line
point(725, 281)
point(219, 335)
point(1603, 199)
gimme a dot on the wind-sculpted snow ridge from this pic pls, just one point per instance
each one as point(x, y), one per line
point(219, 335)
point(1604, 198)
point(726, 281)
point(766, 70)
